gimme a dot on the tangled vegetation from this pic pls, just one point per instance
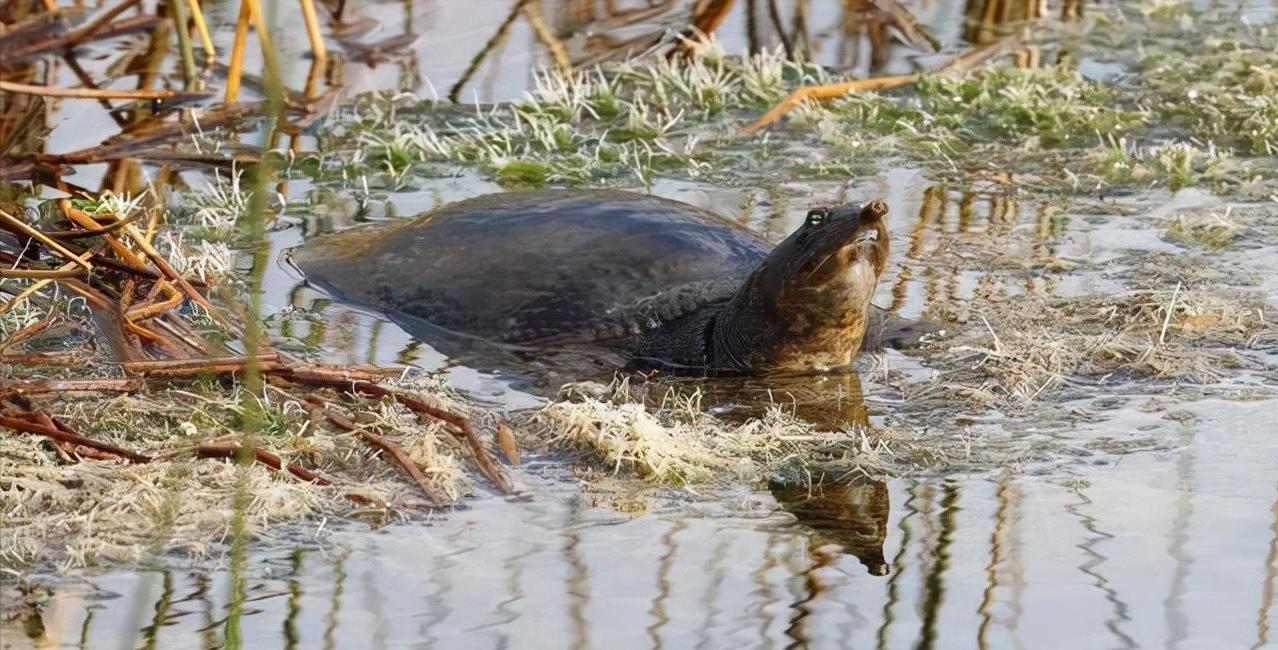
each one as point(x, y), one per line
point(1182, 117)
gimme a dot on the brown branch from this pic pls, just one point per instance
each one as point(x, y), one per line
point(960, 63)
point(232, 450)
point(506, 442)
point(706, 17)
point(118, 28)
point(151, 310)
point(262, 456)
point(22, 425)
point(44, 386)
point(94, 93)
point(532, 12)
point(168, 270)
point(43, 359)
point(483, 460)
point(454, 94)
point(27, 332)
point(433, 495)
point(19, 227)
point(102, 20)
point(192, 367)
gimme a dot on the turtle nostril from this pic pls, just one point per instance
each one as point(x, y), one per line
point(874, 210)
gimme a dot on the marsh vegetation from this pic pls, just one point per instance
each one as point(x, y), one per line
point(1084, 195)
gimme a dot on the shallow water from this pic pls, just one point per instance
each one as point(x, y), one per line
point(1168, 549)
point(1143, 528)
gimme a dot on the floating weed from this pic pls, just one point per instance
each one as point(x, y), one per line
point(1212, 229)
point(524, 173)
point(1227, 90)
point(108, 203)
point(1167, 9)
point(216, 208)
point(1173, 165)
point(768, 75)
point(194, 256)
point(85, 514)
point(1026, 346)
point(1056, 126)
point(678, 443)
point(1037, 108)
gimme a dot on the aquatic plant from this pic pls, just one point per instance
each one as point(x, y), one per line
point(678, 443)
point(1024, 347)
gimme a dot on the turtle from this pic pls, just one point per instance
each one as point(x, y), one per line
point(658, 283)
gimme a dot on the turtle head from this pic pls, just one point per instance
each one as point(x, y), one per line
point(803, 309)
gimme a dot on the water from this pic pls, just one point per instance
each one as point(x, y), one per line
point(1173, 545)
point(1168, 549)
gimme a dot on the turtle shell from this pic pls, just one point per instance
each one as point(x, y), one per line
point(523, 267)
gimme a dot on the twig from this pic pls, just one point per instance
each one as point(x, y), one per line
point(189, 367)
point(67, 271)
point(99, 22)
point(168, 270)
point(233, 450)
point(58, 248)
point(1162, 336)
point(483, 460)
point(313, 31)
point(44, 386)
point(831, 91)
point(26, 426)
point(118, 28)
point(433, 494)
point(45, 24)
point(178, 9)
point(506, 443)
point(455, 92)
point(27, 332)
point(998, 345)
point(43, 359)
point(92, 93)
point(40, 284)
point(202, 28)
point(236, 64)
point(151, 310)
point(532, 11)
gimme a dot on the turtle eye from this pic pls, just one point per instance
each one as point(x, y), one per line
point(818, 216)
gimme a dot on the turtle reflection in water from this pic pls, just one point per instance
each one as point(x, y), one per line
point(642, 282)
point(851, 513)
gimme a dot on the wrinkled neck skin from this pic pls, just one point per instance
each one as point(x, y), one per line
point(774, 325)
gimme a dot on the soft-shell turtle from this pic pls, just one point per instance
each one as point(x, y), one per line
point(662, 283)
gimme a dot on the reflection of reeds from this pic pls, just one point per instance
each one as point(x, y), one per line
point(899, 563)
point(1269, 585)
point(1004, 549)
point(335, 600)
point(1092, 568)
point(934, 581)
